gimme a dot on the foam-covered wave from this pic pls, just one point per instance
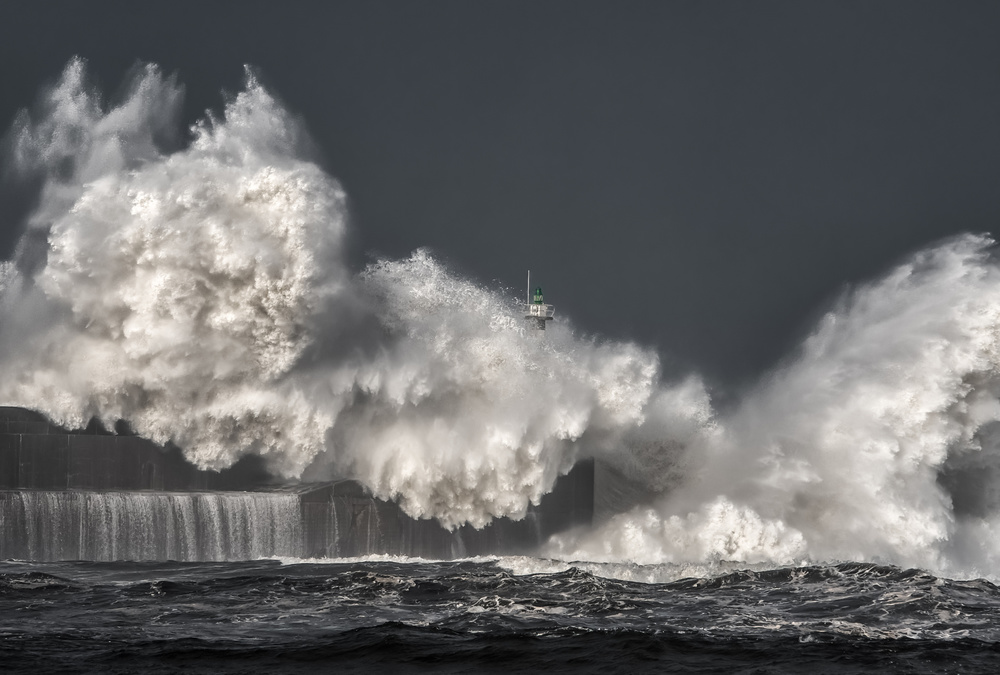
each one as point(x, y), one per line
point(877, 442)
point(202, 295)
point(173, 290)
point(200, 291)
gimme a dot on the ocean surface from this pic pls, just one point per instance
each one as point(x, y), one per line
point(490, 615)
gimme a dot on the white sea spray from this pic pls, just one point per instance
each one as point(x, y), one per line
point(202, 294)
point(200, 291)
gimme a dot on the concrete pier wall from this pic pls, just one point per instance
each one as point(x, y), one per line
point(94, 494)
point(37, 455)
point(343, 520)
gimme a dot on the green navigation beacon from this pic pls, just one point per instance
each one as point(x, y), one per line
point(536, 311)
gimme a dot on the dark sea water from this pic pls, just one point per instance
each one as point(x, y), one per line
point(496, 615)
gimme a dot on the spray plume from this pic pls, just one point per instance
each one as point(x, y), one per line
point(202, 294)
point(879, 441)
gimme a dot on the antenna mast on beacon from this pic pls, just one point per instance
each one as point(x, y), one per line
point(536, 310)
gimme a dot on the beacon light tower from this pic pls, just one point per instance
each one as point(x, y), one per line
point(535, 308)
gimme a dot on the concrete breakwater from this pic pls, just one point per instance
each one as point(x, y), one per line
point(97, 495)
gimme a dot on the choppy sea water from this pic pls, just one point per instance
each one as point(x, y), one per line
point(490, 615)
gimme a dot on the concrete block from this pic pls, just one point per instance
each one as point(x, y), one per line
point(10, 445)
point(43, 462)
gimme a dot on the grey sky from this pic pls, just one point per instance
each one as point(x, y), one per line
point(703, 177)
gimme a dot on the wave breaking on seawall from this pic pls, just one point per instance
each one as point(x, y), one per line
point(197, 287)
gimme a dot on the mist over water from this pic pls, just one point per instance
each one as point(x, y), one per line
point(203, 294)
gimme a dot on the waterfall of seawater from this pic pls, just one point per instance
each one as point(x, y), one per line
point(66, 525)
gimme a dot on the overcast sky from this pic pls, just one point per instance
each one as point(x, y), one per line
point(701, 177)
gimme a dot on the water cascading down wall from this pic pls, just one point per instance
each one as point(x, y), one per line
point(99, 495)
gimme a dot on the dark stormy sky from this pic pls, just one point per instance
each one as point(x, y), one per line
point(702, 177)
